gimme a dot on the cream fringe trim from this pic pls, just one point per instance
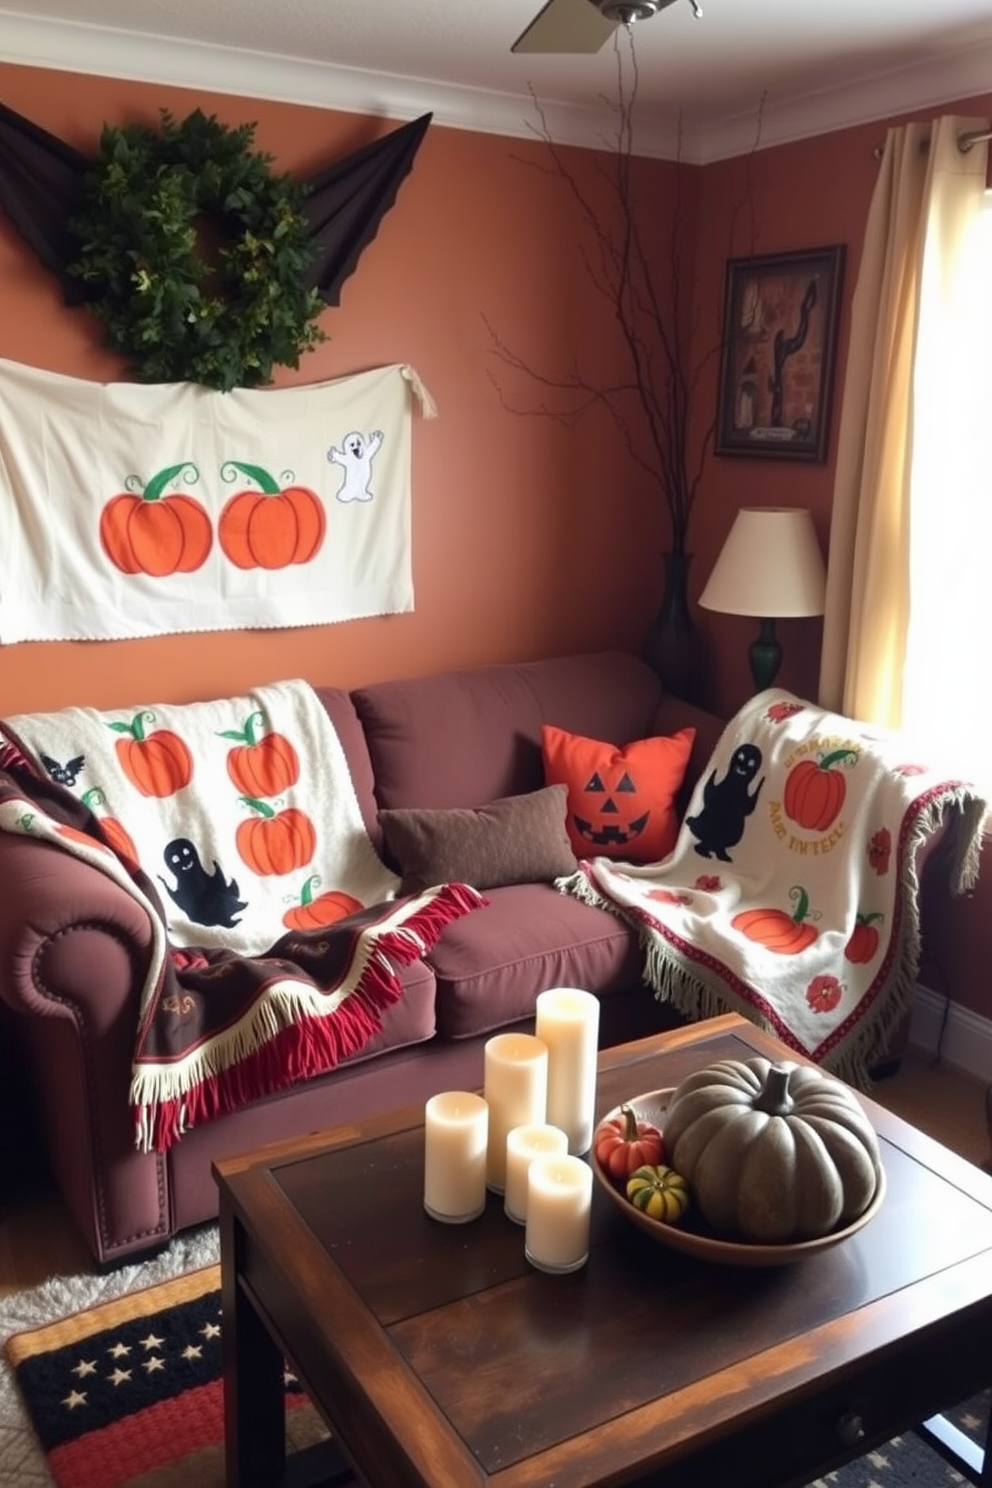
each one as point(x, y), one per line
point(698, 992)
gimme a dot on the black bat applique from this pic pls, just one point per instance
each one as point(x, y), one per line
point(205, 898)
point(64, 774)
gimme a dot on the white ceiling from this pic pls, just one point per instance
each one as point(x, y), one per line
point(818, 64)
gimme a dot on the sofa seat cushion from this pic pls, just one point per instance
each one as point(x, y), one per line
point(410, 1020)
point(491, 965)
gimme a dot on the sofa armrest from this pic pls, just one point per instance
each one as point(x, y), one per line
point(50, 898)
point(75, 950)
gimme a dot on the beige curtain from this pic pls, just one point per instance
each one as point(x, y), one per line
point(926, 190)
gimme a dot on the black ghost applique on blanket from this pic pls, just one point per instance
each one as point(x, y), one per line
point(205, 898)
point(727, 804)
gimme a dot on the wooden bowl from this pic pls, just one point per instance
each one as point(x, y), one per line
point(692, 1235)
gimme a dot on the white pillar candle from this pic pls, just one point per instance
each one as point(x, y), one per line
point(516, 1092)
point(523, 1144)
point(456, 1130)
point(568, 1022)
point(559, 1204)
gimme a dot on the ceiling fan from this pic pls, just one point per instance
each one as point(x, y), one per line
point(584, 25)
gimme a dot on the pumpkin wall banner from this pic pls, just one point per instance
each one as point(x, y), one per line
point(130, 511)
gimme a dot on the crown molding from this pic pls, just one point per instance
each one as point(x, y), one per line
point(105, 52)
point(67, 46)
point(931, 83)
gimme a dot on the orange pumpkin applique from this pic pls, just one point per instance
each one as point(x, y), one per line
point(114, 833)
point(157, 763)
point(777, 930)
point(815, 790)
point(261, 767)
point(275, 842)
point(147, 531)
point(314, 913)
point(863, 942)
point(73, 834)
point(273, 526)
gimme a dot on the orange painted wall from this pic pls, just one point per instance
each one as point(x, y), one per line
point(522, 526)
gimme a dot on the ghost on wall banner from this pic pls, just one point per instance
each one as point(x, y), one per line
point(130, 510)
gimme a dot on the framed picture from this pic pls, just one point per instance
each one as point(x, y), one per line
point(779, 339)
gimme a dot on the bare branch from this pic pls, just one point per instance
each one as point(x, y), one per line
point(652, 407)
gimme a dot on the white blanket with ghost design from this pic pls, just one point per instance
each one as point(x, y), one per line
point(241, 811)
point(278, 946)
point(791, 895)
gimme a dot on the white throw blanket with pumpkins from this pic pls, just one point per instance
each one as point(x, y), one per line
point(791, 895)
point(276, 928)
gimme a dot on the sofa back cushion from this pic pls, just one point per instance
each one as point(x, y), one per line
point(673, 714)
point(469, 737)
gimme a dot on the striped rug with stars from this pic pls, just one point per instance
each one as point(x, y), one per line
point(129, 1394)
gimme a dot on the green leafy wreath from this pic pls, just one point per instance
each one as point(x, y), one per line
point(195, 254)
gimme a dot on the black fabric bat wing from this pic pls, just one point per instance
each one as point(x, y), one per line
point(41, 181)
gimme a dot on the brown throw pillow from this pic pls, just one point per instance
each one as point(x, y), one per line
point(517, 839)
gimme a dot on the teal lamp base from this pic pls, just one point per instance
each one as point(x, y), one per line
point(765, 656)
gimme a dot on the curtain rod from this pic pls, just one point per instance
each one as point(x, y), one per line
point(966, 141)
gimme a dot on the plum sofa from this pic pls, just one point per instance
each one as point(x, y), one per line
point(74, 948)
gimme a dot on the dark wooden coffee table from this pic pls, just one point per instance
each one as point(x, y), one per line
point(438, 1356)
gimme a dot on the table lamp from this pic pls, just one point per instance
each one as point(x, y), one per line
point(770, 566)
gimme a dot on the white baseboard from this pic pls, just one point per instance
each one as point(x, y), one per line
point(961, 1037)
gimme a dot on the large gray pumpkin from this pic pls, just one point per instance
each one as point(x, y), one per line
point(774, 1153)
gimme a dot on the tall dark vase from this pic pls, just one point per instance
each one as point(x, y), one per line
point(672, 645)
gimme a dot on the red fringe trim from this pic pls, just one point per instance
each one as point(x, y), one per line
point(313, 1046)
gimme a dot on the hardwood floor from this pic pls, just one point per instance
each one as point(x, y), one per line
point(942, 1101)
point(37, 1239)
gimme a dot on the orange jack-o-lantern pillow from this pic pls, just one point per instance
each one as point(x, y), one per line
point(621, 801)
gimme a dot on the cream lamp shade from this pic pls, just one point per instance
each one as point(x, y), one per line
point(770, 566)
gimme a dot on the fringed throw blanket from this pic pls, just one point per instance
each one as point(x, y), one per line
point(276, 931)
point(791, 896)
